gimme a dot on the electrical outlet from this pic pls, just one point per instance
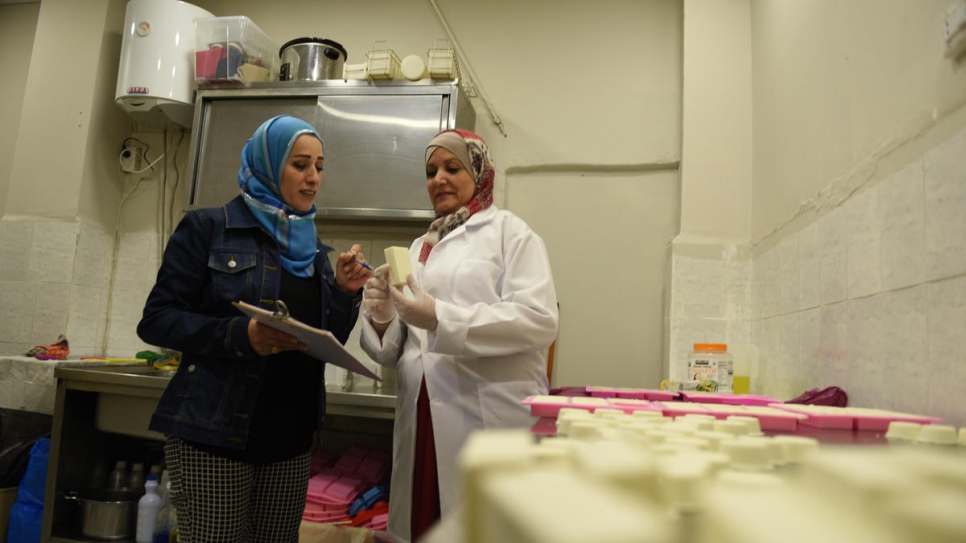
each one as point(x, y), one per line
point(132, 158)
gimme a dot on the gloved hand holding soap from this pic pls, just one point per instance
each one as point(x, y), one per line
point(418, 311)
point(376, 298)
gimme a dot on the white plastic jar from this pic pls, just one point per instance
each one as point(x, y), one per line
point(712, 362)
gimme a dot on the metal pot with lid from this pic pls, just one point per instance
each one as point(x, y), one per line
point(311, 59)
point(107, 514)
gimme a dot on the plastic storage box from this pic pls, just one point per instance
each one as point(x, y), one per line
point(233, 49)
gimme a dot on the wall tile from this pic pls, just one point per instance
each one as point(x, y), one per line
point(946, 310)
point(52, 252)
point(95, 258)
point(125, 313)
point(132, 262)
point(770, 265)
point(789, 287)
point(769, 353)
point(82, 317)
point(11, 310)
point(50, 313)
point(15, 242)
point(902, 354)
point(738, 289)
point(809, 347)
point(902, 227)
point(102, 324)
point(698, 288)
point(833, 237)
point(862, 214)
point(866, 378)
point(29, 310)
point(810, 266)
point(835, 350)
point(152, 261)
point(791, 380)
point(945, 202)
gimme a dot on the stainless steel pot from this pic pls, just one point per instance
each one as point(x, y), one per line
point(106, 513)
point(311, 59)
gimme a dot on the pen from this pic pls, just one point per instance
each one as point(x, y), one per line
point(361, 263)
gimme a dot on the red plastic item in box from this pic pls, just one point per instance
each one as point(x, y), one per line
point(206, 62)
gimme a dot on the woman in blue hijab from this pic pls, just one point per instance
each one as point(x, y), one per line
point(245, 408)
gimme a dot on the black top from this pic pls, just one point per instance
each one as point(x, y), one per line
point(287, 410)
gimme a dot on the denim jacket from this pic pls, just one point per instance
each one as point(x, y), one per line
point(214, 257)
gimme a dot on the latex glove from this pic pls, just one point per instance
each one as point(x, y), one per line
point(418, 311)
point(376, 298)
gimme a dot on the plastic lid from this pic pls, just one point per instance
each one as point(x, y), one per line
point(716, 347)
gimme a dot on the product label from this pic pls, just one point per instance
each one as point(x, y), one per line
point(719, 371)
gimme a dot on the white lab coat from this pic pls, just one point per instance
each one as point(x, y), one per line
point(497, 310)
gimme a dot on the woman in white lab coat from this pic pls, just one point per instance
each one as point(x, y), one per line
point(466, 339)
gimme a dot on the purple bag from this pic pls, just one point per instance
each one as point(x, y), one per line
point(834, 396)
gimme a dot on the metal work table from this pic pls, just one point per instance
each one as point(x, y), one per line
point(103, 413)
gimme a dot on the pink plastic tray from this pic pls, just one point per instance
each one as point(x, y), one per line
point(849, 418)
point(769, 418)
point(633, 393)
point(730, 399)
point(550, 406)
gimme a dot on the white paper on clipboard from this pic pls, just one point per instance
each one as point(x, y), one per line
point(322, 344)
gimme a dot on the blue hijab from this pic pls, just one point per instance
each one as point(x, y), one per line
point(262, 161)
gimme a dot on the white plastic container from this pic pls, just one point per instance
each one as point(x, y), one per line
point(148, 507)
point(234, 50)
point(713, 362)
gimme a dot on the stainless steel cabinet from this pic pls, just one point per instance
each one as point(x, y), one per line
point(375, 137)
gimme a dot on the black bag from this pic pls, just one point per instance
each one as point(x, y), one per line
point(19, 430)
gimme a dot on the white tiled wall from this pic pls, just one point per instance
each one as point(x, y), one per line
point(871, 296)
point(55, 278)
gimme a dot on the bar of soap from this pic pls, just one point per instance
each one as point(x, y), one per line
point(399, 265)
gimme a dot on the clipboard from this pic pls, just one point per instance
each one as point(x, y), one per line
point(322, 344)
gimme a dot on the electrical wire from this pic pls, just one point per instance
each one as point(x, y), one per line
point(466, 63)
point(177, 179)
point(136, 189)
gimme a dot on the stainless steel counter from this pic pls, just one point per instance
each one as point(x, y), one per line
point(147, 382)
point(104, 411)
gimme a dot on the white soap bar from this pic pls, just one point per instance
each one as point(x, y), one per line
point(399, 265)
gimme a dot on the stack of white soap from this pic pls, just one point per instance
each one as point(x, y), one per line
point(618, 477)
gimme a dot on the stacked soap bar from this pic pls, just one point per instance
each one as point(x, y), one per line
point(644, 477)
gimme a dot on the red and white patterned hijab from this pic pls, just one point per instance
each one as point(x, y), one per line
point(473, 153)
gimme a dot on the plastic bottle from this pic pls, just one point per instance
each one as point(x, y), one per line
point(118, 476)
point(137, 476)
point(162, 524)
point(148, 507)
point(713, 362)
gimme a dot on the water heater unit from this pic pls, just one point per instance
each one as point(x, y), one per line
point(156, 73)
